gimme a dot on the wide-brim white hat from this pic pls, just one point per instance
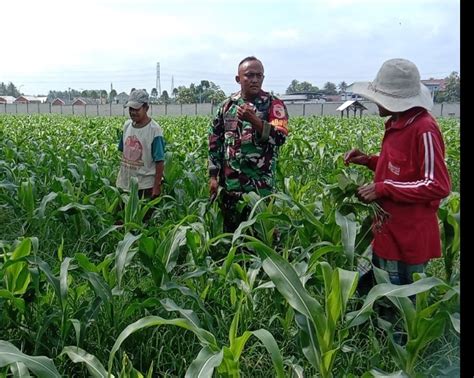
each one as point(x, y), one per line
point(397, 87)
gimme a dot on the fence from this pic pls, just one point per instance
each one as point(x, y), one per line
point(303, 109)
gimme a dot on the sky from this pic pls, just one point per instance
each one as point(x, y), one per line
point(93, 44)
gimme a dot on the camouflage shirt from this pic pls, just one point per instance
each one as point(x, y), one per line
point(243, 159)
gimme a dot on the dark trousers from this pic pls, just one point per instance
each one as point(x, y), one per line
point(231, 214)
point(145, 193)
point(399, 273)
point(142, 194)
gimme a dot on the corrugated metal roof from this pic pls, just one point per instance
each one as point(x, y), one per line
point(40, 99)
point(292, 97)
point(7, 99)
point(85, 100)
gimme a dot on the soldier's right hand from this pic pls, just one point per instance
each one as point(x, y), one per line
point(213, 186)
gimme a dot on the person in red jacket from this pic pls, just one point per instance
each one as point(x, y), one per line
point(411, 176)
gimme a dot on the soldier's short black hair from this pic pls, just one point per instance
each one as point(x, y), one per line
point(249, 59)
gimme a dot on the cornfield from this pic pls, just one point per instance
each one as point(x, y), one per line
point(82, 294)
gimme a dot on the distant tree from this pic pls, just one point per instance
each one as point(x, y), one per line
point(153, 95)
point(452, 91)
point(12, 90)
point(216, 95)
point(308, 87)
point(329, 88)
point(132, 90)
point(185, 95)
point(292, 88)
point(74, 93)
point(202, 91)
point(342, 87)
point(63, 95)
point(164, 98)
point(205, 84)
point(112, 95)
point(3, 89)
point(194, 93)
point(103, 93)
point(296, 87)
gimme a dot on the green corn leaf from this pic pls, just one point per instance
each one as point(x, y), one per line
point(121, 253)
point(19, 370)
point(101, 288)
point(204, 364)
point(348, 234)
point(272, 347)
point(46, 199)
point(17, 276)
point(205, 337)
point(190, 315)
point(42, 366)
point(63, 273)
point(93, 365)
point(386, 289)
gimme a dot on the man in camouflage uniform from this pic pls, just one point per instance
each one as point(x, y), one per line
point(244, 139)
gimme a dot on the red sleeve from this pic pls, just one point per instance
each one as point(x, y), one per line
point(372, 164)
point(434, 182)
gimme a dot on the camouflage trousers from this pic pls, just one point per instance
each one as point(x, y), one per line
point(231, 214)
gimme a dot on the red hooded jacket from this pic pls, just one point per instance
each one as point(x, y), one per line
point(411, 178)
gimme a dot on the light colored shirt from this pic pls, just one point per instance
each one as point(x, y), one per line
point(141, 148)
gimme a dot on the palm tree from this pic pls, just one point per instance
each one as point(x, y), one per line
point(165, 98)
point(342, 86)
point(153, 95)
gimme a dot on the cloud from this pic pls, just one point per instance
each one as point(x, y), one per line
point(53, 46)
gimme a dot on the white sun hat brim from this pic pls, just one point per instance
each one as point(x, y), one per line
point(391, 102)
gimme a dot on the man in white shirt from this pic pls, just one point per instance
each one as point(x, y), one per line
point(143, 148)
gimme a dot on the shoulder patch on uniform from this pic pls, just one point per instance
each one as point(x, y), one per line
point(278, 111)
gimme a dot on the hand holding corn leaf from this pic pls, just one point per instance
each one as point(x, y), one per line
point(351, 187)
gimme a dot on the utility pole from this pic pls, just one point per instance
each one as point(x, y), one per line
point(158, 82)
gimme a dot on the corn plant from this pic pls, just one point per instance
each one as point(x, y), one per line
point(212, 355)
point(20, 363)
point(16, 275)
point(423, 322)
point(318, 324)
point(72, 276)
point(449, 214)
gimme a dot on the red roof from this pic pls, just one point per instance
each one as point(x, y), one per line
point(440, 83)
